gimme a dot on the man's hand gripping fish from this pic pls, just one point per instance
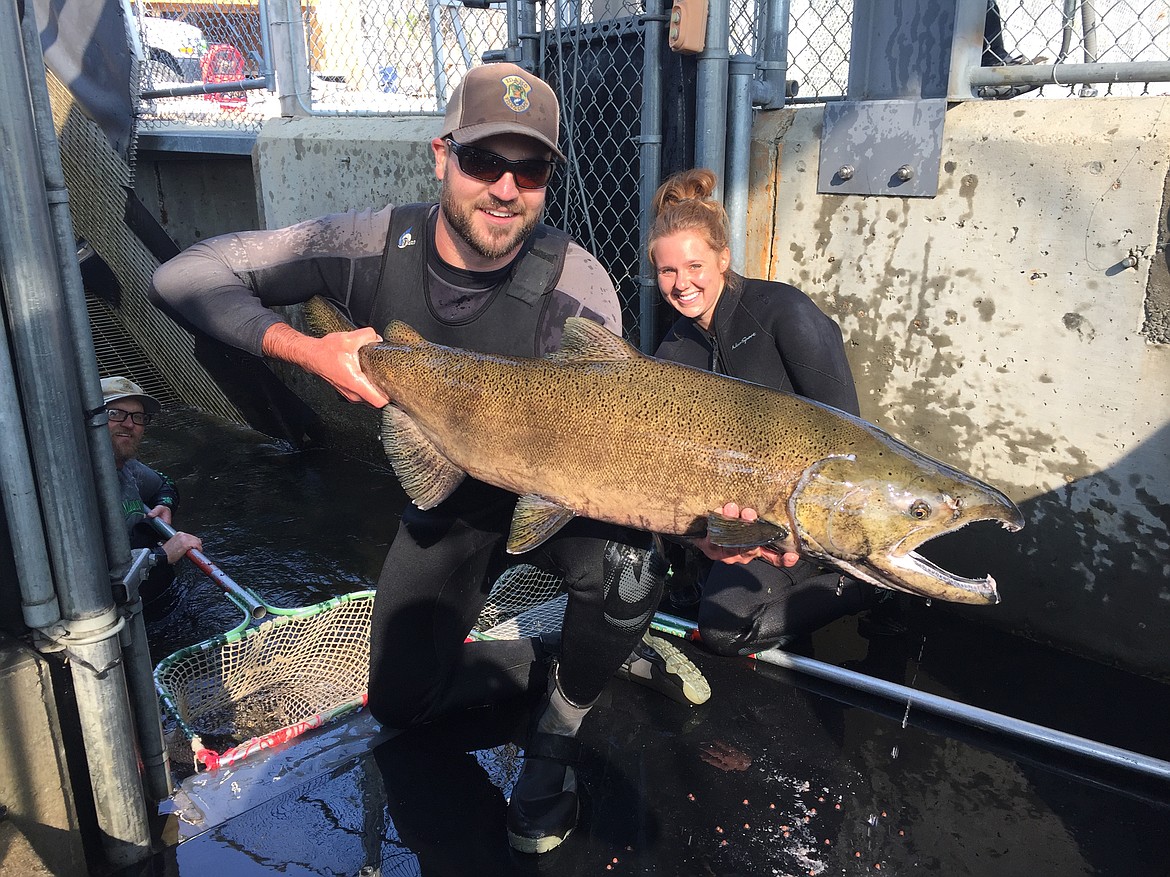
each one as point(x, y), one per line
point(601, 430)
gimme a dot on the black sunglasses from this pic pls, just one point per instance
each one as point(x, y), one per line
point(117, 415)
point(529, 173)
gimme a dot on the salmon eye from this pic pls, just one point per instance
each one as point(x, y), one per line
point(920, 510)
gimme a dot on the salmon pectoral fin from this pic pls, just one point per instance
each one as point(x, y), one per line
point(738, 533)
point(534, 521)
point(426, 475)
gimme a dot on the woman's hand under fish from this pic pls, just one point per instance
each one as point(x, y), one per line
point(744, 555)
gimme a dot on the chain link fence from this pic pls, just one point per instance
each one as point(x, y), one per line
point(405, 56)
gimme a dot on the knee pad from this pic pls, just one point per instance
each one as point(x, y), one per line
point(633, 578)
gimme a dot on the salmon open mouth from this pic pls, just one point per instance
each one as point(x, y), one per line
point(915, 574)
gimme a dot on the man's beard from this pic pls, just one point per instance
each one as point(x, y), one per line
point(490, 246)
point(125, 450)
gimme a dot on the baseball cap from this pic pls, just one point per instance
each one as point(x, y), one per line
point(115, 388)
point(502, 98)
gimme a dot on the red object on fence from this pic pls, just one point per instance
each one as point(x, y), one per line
point(224, 63)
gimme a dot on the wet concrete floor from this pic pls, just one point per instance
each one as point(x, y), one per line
point(778, 774)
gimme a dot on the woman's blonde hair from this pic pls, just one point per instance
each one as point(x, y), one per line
point(684, 203)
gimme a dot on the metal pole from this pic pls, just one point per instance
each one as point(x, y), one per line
point(265, 60)
point(1072, 74)
point(438, 55)
point(711, 93)
point(961, 712)
point(773, 42)
point(650, 161)
point(18, 496)
point(101, 450)
point(741, 71)
point(53, 410)
point(289, 59)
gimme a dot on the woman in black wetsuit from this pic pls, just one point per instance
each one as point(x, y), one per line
point(768, 333)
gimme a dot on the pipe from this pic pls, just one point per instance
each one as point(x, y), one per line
point(741, 71)
point(961, 712)
point(266, 69)
point(290, 60)
point(18, 497)
point(255, 608)
point(438, 65)
point(711, 96)
point(650, 163)
point(1071, 74)
point(101, 451)
point(772, 87)
point(53, 411)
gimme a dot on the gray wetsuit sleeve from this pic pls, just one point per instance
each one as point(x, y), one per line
point(584, 289)
point(226, 286)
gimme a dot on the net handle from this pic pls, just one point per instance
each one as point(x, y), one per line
point(241, 596)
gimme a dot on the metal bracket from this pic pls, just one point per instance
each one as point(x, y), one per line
point(882, 147)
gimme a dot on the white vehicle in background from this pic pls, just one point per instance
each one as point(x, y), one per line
point(170, 50)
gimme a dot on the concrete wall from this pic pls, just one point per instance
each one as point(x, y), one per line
point(40, 834)
point(995, 327)
point(195, 197)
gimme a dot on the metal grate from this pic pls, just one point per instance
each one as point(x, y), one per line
point(98, 180)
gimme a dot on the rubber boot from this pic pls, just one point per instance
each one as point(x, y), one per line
point(544, 805)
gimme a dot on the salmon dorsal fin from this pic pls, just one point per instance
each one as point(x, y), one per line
point(400, 334)
point(586, 341)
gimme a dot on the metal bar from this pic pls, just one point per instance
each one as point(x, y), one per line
point(241, 596)
point(741, 71)
point(290, 59)
point(711, 93)
point(101, 451)
point(650, 170)
point(438, 59)
point(266, 68)
point(771, 89)
point(204, 88)
point(53, 412)
point(952, 709)
point(1072, 74)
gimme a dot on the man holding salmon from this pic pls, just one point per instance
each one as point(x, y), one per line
point(476, 271)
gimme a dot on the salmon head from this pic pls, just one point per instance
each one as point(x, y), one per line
point(868, 512)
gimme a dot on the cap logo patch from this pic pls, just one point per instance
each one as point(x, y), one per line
point(516, 92)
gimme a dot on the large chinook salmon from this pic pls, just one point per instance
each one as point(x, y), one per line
point(603, 431)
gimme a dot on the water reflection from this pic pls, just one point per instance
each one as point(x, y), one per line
point(296, 526)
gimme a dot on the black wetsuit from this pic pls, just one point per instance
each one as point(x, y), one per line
point(772, 334)
point(442, 563)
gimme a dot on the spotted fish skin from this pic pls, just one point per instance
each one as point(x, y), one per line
point(603, 431)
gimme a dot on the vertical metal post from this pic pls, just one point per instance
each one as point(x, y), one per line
point(966, 47)
point(772, 40)
point(711, 96)
point(290, 59)
point(438, 55)
point(266, 68)
point(101, 451)
point(527, 36)
point(650, 167)
point(741, 70)
point(53, 411)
